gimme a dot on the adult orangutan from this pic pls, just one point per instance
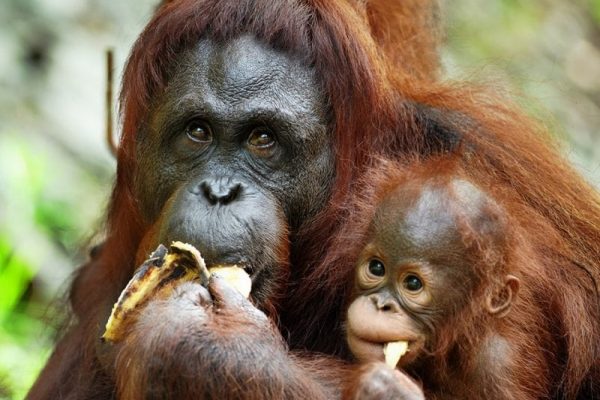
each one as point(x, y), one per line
point(233, 125)
point(245, 125)
point(449, 287)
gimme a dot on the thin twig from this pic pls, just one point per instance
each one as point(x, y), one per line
point(109, 102)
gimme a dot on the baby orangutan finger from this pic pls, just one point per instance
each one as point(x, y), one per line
point(380, 382)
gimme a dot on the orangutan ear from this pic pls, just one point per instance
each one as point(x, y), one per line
point(498, 302)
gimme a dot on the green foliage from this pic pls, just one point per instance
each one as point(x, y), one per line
point(24, 339)
point(15, 276)
point(23, 345)
point(47, 204)
point(595, 8)
point(43, 216)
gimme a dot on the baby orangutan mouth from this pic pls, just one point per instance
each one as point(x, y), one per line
point(182, 262)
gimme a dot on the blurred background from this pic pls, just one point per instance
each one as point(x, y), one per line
point(56, 171)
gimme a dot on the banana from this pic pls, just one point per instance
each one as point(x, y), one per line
point(393, 351)
point(182, 262)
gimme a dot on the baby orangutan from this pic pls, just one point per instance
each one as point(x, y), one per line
point(435, 293)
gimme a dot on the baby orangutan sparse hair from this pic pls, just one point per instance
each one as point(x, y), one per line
point(448, 289)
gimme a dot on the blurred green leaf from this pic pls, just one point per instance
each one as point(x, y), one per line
point(15, 276)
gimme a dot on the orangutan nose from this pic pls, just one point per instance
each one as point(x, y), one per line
point(220, 191)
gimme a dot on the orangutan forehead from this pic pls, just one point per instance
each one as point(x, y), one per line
point(244, 68)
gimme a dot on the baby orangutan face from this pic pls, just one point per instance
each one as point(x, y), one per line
point(418, 268)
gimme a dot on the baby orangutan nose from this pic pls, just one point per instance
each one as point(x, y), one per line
point(385, 302)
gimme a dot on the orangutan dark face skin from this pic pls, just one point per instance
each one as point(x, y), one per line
point(235, 152)
point(416, 269)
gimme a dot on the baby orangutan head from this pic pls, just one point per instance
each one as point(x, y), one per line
point(433, 249)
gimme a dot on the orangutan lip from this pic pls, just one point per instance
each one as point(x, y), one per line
point(379, 342)
point(252, 272)
point(249, 270)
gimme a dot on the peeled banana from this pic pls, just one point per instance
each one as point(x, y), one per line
point(393, 351)
point(235, 276)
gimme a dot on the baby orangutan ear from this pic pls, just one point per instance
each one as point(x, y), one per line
point(498, 302)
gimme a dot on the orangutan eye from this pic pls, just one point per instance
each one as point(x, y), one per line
point(376, 268)
point(261, 138)
point(412, 283)
point(199, 132)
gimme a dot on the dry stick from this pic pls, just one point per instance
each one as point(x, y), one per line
point(109, 102)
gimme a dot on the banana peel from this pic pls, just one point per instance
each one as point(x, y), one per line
point(182, 262)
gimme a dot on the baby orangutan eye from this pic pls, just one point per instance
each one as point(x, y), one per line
point(376, 268)
point(412, 283)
